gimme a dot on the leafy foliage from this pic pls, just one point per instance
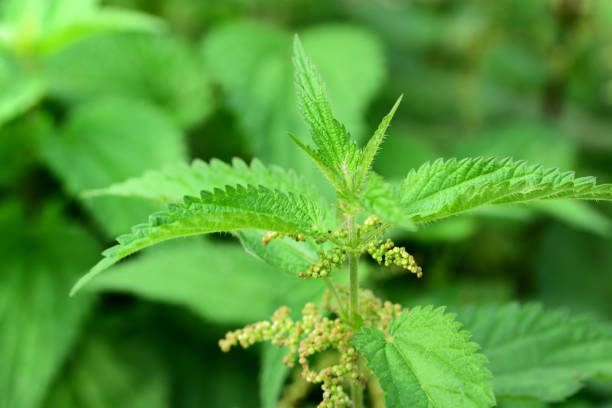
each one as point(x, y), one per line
point(337, 152)
point(445, 188)
point(160, 69)
point(252, 63)
point(101, 144)
point(19, 89)
point(231, 209)
point(44, 26)
point(39, 323)
point(178, 180)
point(175, 181)
point(112, 374)
point(425, 360)
point(538, 353)
point(198, 274)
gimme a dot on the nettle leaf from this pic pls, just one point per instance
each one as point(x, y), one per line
point(47, 26)
point(174, 182)
point(379, 198)
point(537, 353)
point(161, 69)
point(445, 188)
point(371, 149)
point(38, 322)
point(101, 143)
point(109, 371)
point(231, 209)
point(198, 274)
point(337, 152)
point(426, 360)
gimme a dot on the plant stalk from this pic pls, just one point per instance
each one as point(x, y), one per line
point(332, 288)
point(355, 318)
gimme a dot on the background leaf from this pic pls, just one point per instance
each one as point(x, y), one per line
point(160, 69)
point(40, 323)
point(103, 143)
point(537, 353)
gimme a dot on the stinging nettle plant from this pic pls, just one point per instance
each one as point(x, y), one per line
point(421, 357)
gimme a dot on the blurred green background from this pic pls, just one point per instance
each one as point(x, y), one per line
point(92, 93)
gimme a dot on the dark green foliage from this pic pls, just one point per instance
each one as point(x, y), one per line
point(111, 110)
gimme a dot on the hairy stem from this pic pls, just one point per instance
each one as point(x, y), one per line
point(332, 288)
point(355, 318)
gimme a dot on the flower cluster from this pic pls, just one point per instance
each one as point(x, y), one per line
point(317, 333)
point(327, 261)
point(270, 235)
point(386, 253)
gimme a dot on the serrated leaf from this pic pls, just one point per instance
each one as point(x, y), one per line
point(232, 209)
point(379, 198)
point(369, 151)
point(445, 188)
point(425, 360)
point(38, 322)
point(537, 353)
point(160, 69)
point(175, 181)
point(252, 62)
point(102, 143)
point(336, 149)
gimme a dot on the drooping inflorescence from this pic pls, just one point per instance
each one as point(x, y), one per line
point(386, 253)
point(328, 260)
point(316, 333)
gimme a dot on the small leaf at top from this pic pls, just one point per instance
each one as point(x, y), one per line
point(336, 150)
point(370, 150)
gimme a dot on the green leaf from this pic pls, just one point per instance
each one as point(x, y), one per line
point(160, 69)
point(20, 89)
point(273, 375)
point(425, 360)
point(540, 353)
point(563, 260)
point(102, 143)
point(252, 62)
point(445, 188)
point(175, 181)
point(198, 274)
point(45, 26)
point(371, 149)
point(38, 322)
point(232, 209)
point(111, 372)
point(336, 150)
point(379, 198)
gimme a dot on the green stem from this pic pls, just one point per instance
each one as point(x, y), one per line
point(332, 288)
point(355, 318)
